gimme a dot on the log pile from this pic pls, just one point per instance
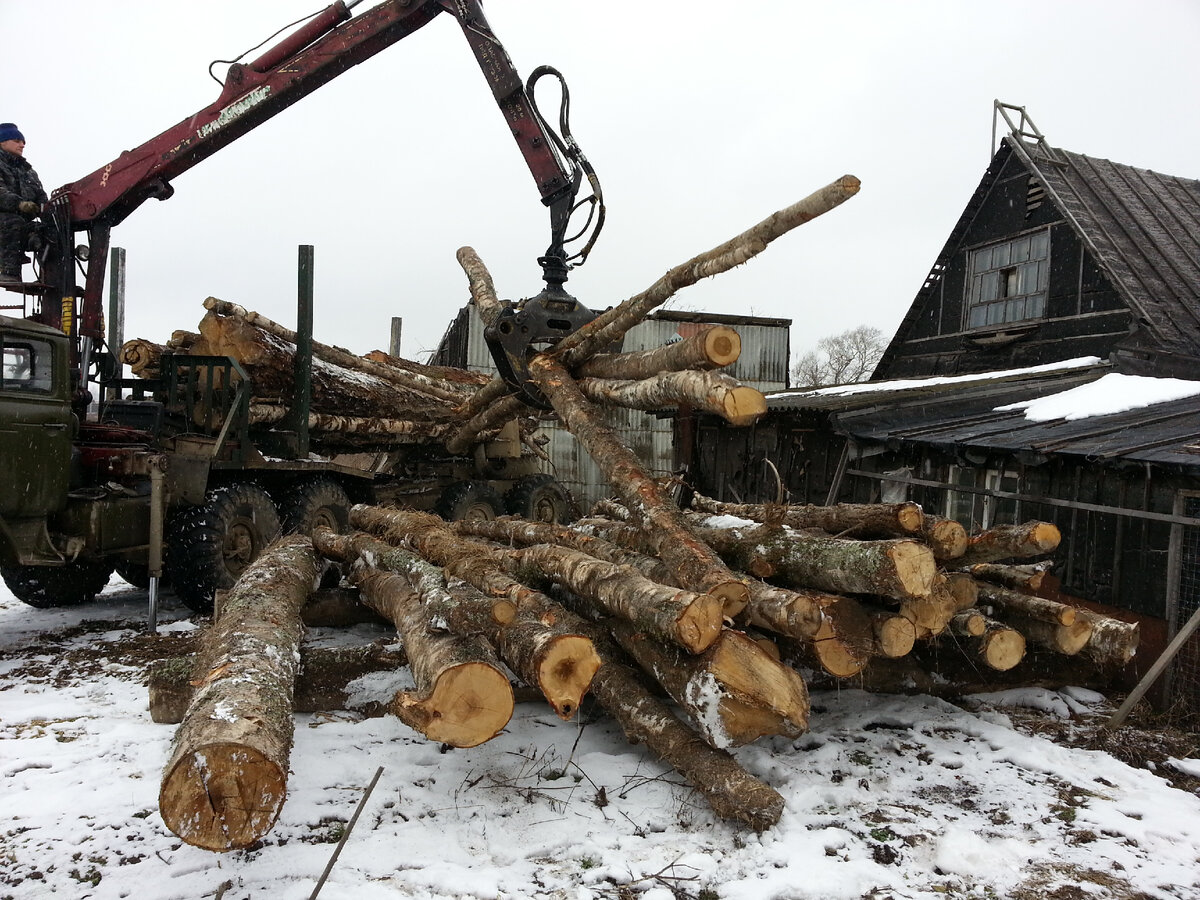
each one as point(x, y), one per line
point(695, 629)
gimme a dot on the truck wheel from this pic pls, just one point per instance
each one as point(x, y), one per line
point(538, 498)
point(311, 503)
point(469, 500)
point(209, 546)
point(47, 587)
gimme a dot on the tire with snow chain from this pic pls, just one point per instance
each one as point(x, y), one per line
point(210, 545)
point(308, 504)
point(538, 498)
point(469, 500)
point(47, 587)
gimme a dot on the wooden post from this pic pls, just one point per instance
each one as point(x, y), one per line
point(394, 340)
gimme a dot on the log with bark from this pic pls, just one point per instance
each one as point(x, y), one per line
point(226, 777)
point(734, 692)
point(1016, 603)
point(323, 681)
point(1113, 642)
point(1022, 578)
point(1010, 542)
point(541, 650)
point(709, 392)
point(897, 568)
point(710, 347)
point(462, 696)
point(859, 520)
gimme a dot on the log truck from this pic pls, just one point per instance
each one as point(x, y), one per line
point(129, 481)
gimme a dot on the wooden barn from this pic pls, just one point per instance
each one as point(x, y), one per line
point(1042, 372)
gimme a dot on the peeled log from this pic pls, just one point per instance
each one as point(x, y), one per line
point(857, 519)
point(226, 778)
point(462, 695)
point(735, 692)
point(893, 568)
point(711, 347)
point(1010, 542)
point(709, 392)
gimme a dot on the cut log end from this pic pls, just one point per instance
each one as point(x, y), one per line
point(701, 621)
point(1003, 648)
point(469, 704)
point(733, 596)
point(915, 567)
point(838, 658)
point(722, 345)
point(894, 636)
point(222, 796)
point(744, 406)
point(566, 672)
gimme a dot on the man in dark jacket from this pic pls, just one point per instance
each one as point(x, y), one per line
point(21, 200)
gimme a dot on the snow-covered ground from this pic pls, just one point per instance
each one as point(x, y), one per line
point(887, 797)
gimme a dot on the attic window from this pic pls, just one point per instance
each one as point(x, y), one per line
point(1008, 281)
point(1034, 195)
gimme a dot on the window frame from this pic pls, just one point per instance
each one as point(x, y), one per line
point(998, 291)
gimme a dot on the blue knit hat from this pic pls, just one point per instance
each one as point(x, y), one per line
point(9, 132)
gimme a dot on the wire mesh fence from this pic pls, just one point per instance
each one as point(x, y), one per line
point(1185, 671)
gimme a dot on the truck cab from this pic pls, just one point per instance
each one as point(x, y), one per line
point(37, 428)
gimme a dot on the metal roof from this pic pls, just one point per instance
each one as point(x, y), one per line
point(963, 415)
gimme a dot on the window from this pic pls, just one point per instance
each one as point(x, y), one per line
point(25, 365)
point(1008, 281)
point(976, 511)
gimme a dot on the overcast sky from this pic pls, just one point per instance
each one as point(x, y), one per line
point(700, 117)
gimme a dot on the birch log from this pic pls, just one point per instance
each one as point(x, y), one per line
point(226, 777)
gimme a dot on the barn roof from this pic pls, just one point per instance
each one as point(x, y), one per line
point(1143, 229)
point(965, 413)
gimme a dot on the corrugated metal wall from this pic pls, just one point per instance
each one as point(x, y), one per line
point(763, 364)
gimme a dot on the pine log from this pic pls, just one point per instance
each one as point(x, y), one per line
point(1010, 542)
point(226, 776)
point(731, 791)
point(462, 695)
point(486, 409)
point(1022, 578)
point(734, 692)
point(695, 566)
point(898, 568)
point(322, 682)
point(1014, 602)
point(1113, 642)
point(1065, 639)
point(143, 357)
point(710, 392)
point(541, 651)
point(710, 347)
point(945, 537)
point(691, 620)
point(856, 519)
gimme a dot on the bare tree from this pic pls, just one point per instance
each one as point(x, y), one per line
point(843, 358)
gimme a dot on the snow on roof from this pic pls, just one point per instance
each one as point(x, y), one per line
point(1110, 394)
point(909, 383)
